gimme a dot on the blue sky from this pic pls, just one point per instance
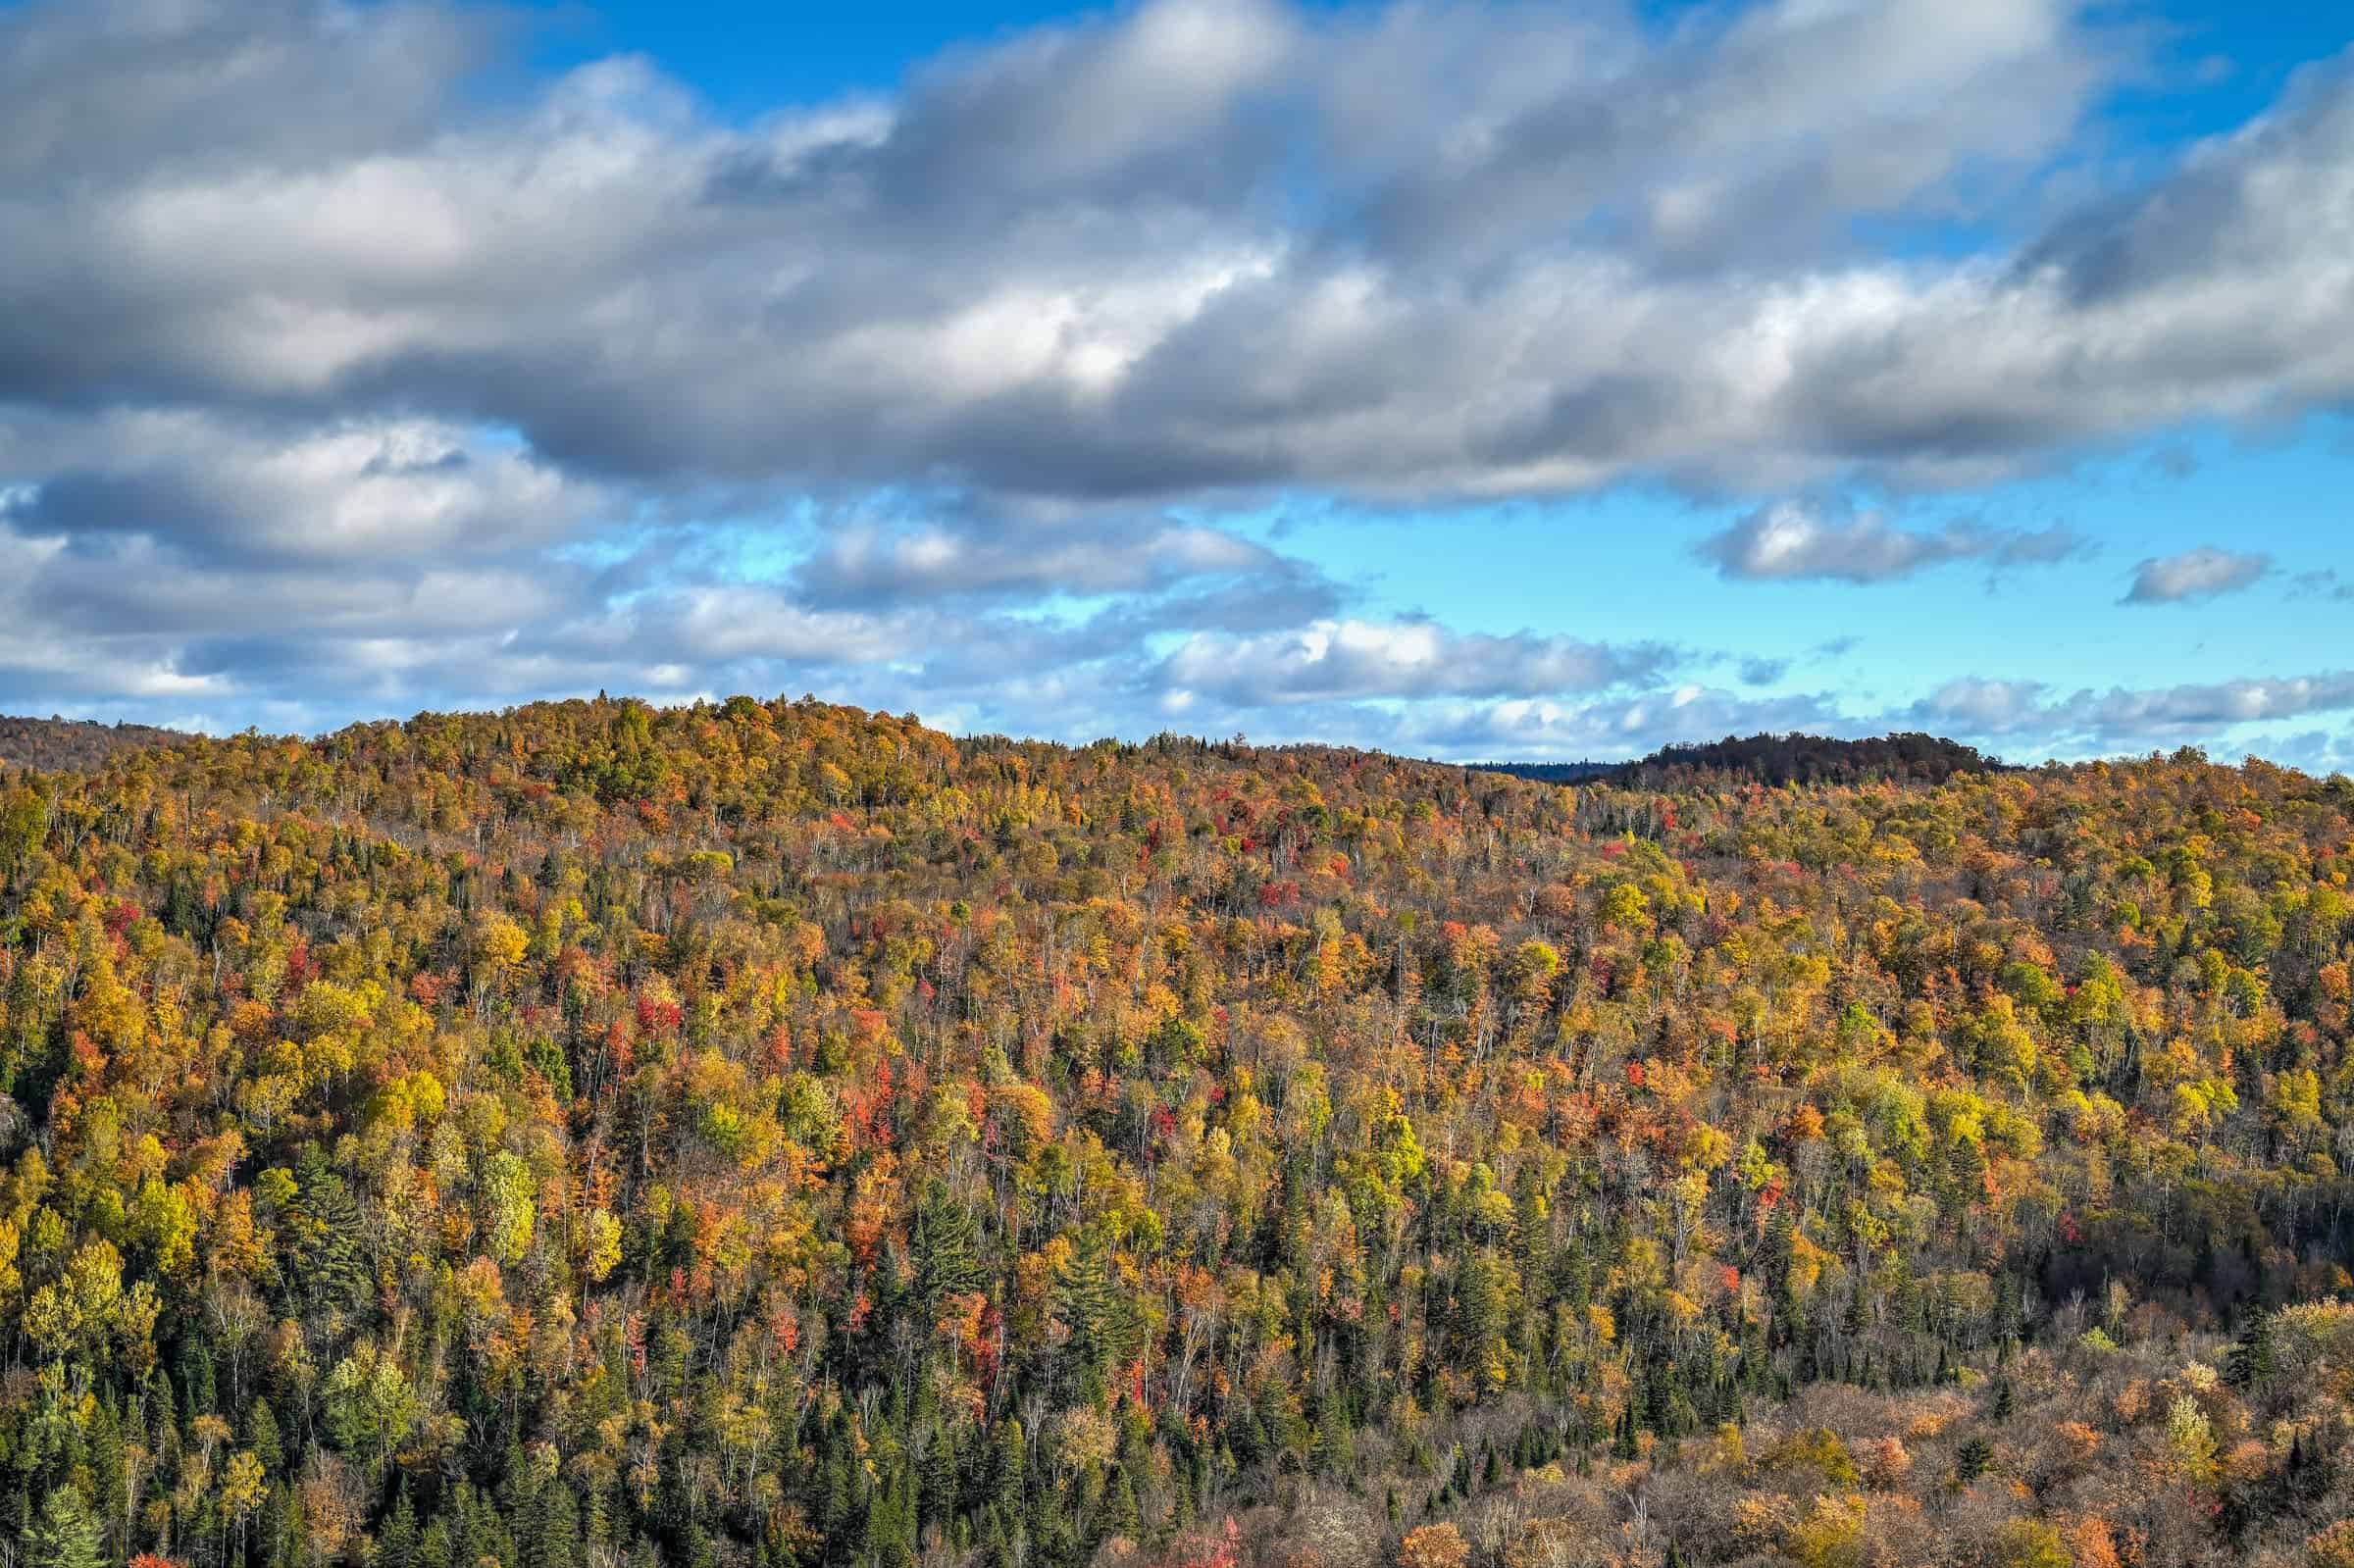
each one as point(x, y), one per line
point(1474, 381)
point(746, 57)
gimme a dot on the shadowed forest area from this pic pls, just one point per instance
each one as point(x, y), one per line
point(1774, 760)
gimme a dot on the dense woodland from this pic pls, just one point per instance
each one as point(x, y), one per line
point(776, 1134)
point(71, 744)
point(1773, 759)
point(1550, 772)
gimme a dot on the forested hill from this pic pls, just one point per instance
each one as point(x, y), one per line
point(1552, 772)
point(1775, 760)
point(774, 1134)
point(72, 743)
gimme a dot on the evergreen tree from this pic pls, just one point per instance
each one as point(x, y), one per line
point(1009, 1468)
point(66, 1535)
point(946, 1248)
point(261, 1435)
point(1122, 1516)
point(433, 1548)
point(1094, 1304)
point(555, 1529)
point(397, 1544)
point(105, 1456)
point(888, 1535)
point(322, 1230)
point(2249, 1366)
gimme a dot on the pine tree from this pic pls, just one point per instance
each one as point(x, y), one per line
point(279, 1537)
point(324, 1229)
point(1009, 1467)
point(937, 1494)
point(196, 1381)
point(946, 1248)
point(66, 1535)
point(397, 1544)
point(261, 1435)
point(596, 1526)
point(890, 1540)
point(555, 1532)
point(106, 1459)
point(433, 1548)
point(1092, 1300)
point(1335, 1445)
point(2249, 1366)
point(1121, 1515)
point(996, 1545)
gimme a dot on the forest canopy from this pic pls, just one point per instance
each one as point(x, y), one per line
point(71, 744)
point(774, 1134)
point(1773, 759)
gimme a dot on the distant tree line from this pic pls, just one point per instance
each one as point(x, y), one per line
point(71, 745)
point(1773, 760)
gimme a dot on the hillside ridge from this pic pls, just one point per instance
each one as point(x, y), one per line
point(56, 744)
point(782, 1135)
point(1774, 759)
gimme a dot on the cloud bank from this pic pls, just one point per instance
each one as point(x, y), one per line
point(953, 394)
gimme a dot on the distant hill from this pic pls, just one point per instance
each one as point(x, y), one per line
point(1552, 772)
point(61, 745)
point(769, 1134)
point(1776, 760)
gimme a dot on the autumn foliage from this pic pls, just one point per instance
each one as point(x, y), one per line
point(772, 1134)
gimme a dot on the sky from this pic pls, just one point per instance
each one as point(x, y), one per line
point(1470, 381)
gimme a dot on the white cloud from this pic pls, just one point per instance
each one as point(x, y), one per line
point(2124, 717)
point(1336, 660)
point(1163, 253)
point(870, 563)
point(359, 489)
point(2200, 574)
point(448, 381)
point(1972, 706)
point(1789, 540)
point(1608, 729)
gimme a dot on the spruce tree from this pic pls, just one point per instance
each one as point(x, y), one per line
point(1009, 1467)
point(2250, 1367)
point(887, 1534)
point(261, 1435)
point(396, 1544)
point(946, 1248)
point(555, 1529)
point(324, 1229)
point(1095, 1305)
point(67, 1533)
point(433, 1548)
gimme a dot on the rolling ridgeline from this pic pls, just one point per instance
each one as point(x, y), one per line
point(775, 1133)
